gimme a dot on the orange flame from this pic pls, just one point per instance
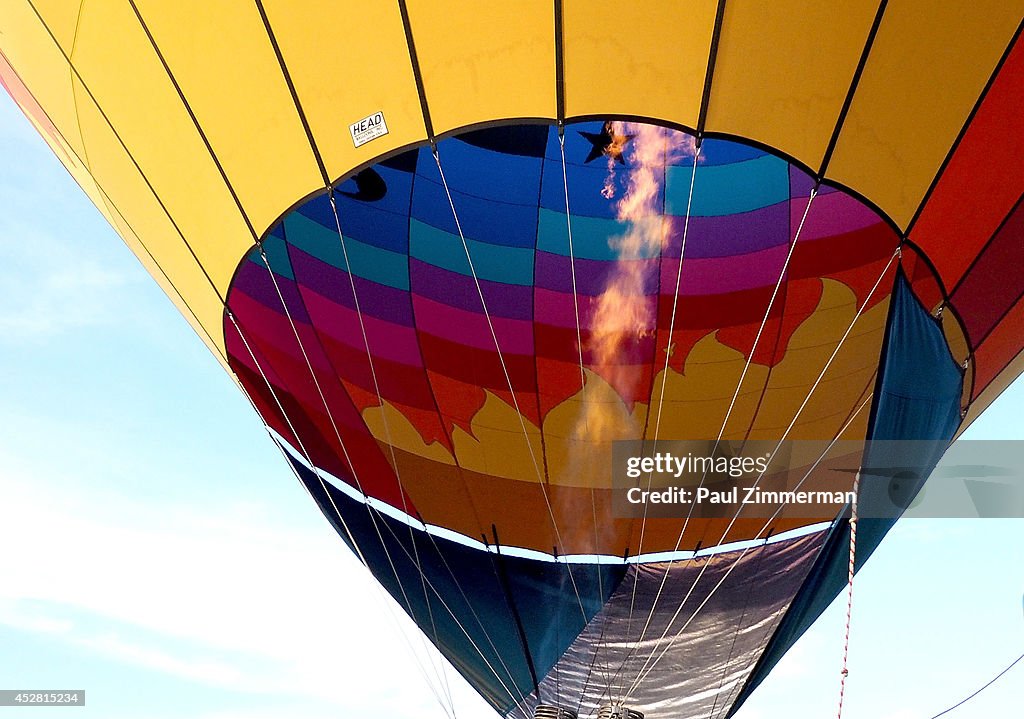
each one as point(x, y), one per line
point(623, 314)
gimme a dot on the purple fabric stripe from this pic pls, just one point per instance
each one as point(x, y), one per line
point(833, 214)
point(723, 275)
point(554, 272)
point(458, 290)
point(254, 280)
point(376, 300)
point(388, 340)
point(726, 235)
point(471, 328)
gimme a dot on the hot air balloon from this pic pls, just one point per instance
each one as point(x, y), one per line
point(453, 252)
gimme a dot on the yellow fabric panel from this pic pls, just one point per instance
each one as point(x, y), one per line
point(841, 388)
point(349, 60)
point(132, 88)
point(647, 58)
point(486, 60)
point(221, 56)
point(123, 185)
point(50, 78)
point(41, 67)
point(61, 17)
point(783, 69)
point(156, 272)
point(927, 67)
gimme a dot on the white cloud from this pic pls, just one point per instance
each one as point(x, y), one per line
point(22, 616)
point(223, 596)
point(49, 285)
point(198, 669)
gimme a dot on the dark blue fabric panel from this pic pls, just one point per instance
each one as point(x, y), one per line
point(319, 210)
point(577, 147)
point(585, 185)
point(585, 179)
point(382, 222)
point(490, 172)
point(429, 201)
point(490, 221)
point(917, 398)
point(491, 597)
point(397, 184)
point(495, 194)
point(725, 152)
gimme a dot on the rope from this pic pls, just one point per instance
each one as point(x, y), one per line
point(764, 322)
point(845, 671)
point(572, 259)
point(767, 524)
point(743, 553)
point(736, 392)
point(373, 580)
point(675, 306)
point(867, 394)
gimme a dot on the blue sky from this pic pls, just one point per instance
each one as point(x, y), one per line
point(157, 552)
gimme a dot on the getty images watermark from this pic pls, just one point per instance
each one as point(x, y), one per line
point(806, 479)
point(711, 492)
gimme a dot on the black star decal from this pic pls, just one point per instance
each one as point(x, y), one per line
point(608, 143)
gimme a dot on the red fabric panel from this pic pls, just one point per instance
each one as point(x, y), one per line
point(982, 181)
point(994, 283)
point(998, 349)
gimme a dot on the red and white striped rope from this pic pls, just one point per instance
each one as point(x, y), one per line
point(849, 596)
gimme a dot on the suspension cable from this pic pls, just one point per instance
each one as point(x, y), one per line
point(515, 402)
point(807, 474)
point(372, 513)
point(323, 485)
point(739, 384)
point(664, 381)
point(442, 676)
point(732, 402)
point(394, 461)
point(978, 691)
point(744, 551)
point(778, 445)
point(586, 417)
point(386, 599)
point(867, 395)
point(384, 419)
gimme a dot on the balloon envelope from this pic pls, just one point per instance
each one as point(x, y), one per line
point(453, 253)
